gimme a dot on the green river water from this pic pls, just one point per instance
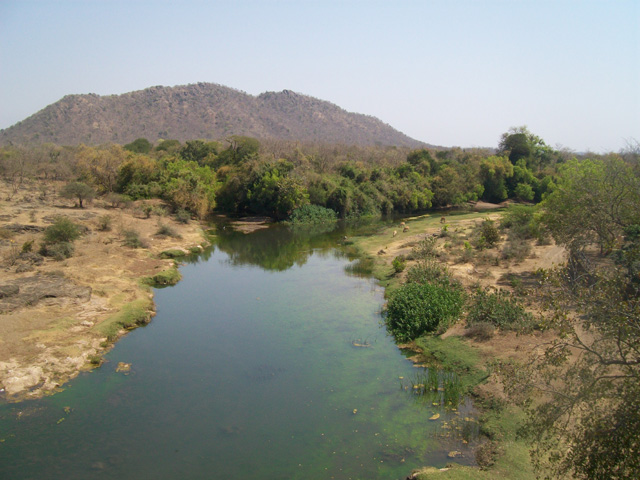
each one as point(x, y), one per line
point(248, 370)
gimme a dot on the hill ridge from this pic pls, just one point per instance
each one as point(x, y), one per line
point(200, 110)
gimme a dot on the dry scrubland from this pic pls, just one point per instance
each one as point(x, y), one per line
point(59, 316)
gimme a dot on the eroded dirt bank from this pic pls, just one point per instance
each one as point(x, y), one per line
point(58, 317)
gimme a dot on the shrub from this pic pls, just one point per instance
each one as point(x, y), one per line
point(164, 278)
point(117, 200)
point(62, 230)
point(182, 216)
point(427, 271)
point(417, 309)
point(132, 239)
point(425, 248)
point(104, 223)
point(167, 231)
point(467, 255)
point(480, 331)
point(500, 309)
point(489, 234)
point(516, 248)
point(520, 222)
point(146, 210)
point(27, 246)
point(312, 214)
point(399, 263)
point(58, 251)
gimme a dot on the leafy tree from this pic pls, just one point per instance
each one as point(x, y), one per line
point(517, 145)
point(274, 192)
point(169, 146)
point(524, 192)
point(78, 190)
point(189, 186)
point(100, 165)
point(139, 145)
point(494, 172)
point(240, 149)
point(203, 153)
point(594, 200)
point(422, 161)
point(520, 144)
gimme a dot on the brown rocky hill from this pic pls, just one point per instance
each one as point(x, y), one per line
point(204, 111)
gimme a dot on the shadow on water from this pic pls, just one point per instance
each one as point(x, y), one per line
point(280, 247)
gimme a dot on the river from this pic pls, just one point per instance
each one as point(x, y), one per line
point(268, 360)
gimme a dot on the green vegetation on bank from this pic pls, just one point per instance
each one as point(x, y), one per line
point(131, 315)
point(306, 183)
point(165, 278)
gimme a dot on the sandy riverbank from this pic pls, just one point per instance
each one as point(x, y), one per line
point(54, 315)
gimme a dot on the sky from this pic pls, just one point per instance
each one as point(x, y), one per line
point(449, 73)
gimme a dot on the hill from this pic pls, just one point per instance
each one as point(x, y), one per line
point(202, 110)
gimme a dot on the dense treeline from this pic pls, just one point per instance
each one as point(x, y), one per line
point(274, 178)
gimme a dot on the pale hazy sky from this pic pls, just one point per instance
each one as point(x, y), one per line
point(451, 73)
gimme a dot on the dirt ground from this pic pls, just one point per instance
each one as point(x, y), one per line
point(50, 311)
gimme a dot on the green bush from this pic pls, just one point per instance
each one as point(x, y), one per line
point(500, 309)
point(417, 309)
point(399, 263)
point(312, 214)
point(489, 234)
point(62, 230)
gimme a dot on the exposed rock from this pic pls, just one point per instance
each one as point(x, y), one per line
point(20, 228)
point(8, 290)
point(31, 290)
point(123, 367)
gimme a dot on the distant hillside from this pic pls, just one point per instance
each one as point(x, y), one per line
point(203, 110)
